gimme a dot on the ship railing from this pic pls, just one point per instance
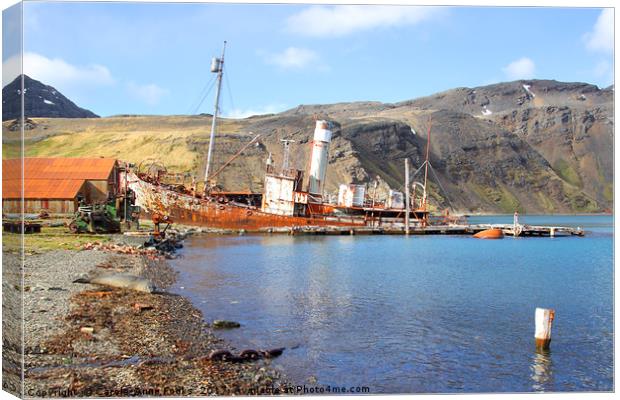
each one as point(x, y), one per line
point(288, 173)
point(315, 198)
point(447, 220)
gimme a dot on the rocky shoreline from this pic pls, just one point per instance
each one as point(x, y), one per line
point(84, 340)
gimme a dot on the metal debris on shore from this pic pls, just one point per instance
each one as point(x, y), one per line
point(150, 253)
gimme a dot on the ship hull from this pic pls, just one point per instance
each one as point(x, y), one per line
point(188, 210)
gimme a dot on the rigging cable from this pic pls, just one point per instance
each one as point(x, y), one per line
point(443, 190)
point(412, 176)
point(200, 95)
point(416, 172)
point(441, 187)
point(206, 93)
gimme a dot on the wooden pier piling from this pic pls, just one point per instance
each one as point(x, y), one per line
point(544, 319)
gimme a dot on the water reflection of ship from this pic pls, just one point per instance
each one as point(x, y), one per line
point(285, 202)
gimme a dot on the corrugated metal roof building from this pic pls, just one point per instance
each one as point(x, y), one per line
point(56, 184)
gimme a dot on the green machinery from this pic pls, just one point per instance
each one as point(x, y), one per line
point(95, 218)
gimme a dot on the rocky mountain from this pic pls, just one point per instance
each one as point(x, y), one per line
point(40, 100)
point(535, 146)
point(569, 126)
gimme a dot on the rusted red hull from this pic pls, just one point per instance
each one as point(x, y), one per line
point(234, 217)
point(185, 209)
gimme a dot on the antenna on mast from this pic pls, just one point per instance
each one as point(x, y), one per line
point(217, 66)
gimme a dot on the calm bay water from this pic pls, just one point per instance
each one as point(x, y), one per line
point(416, 314)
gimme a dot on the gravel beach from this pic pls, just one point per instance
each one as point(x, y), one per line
point(84, 340)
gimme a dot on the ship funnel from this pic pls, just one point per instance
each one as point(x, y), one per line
point(318, 157)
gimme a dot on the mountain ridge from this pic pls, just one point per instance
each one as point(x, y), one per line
point(536, 146)
point(40, 100)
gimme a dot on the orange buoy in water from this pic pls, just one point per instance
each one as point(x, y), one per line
point(494, 233)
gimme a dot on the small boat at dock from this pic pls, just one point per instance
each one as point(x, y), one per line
point(493, 233)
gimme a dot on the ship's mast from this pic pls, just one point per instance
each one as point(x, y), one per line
point(428, 145)
point(217, 66)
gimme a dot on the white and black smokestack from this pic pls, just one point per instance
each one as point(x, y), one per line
point(318, 157)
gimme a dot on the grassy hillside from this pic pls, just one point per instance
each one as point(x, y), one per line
point(174, 140)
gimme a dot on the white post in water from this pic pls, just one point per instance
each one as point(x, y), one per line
point(217, 66)
point(406, 196)
point(544, 320)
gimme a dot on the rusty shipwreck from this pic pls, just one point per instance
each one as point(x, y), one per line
point(288, 199)
point(285, 202)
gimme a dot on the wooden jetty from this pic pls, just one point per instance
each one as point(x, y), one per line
point(536, 230)
point(508, 229)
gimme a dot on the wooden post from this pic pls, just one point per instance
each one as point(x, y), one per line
point(516, 228)
point(544, 320)
point(406, 196)
point(126, 197)
point(374, 192)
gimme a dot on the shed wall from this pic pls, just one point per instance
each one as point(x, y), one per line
point(95, 191)
point(57, 206)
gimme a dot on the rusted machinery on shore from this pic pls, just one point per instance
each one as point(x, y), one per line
point(95, 218)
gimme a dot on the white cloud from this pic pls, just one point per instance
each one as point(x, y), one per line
point(244, 113)
point(601, 38)
point(296, 58)
point(324, 21)
point(57, 72)
point(150, 93)
point(522, 68)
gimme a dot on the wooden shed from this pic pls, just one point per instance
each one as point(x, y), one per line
point(56, 184)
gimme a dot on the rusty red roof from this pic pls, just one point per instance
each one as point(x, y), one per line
point(42, 188)
point(59, 168)
point(52, 178)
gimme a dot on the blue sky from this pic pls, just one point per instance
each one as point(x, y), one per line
point(153, 58)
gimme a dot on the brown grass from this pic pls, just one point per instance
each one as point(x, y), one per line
point(132, 138)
